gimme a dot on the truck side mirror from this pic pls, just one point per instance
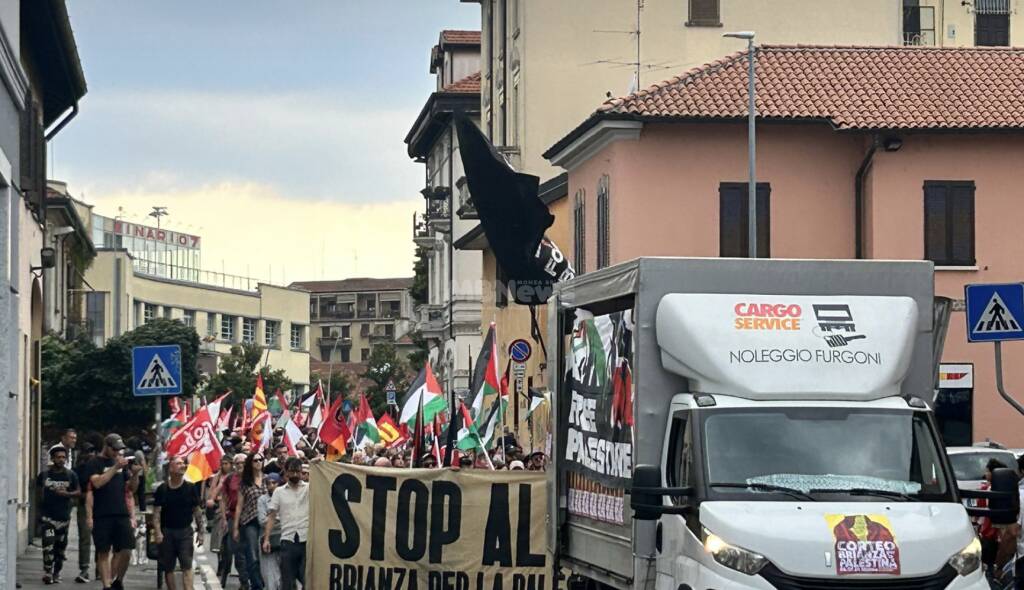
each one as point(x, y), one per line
point(1006, 507)
point(645, 498)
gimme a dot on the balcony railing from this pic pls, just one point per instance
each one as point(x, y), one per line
point(437, 211)
point(334, 341)
point(466, 208)
point(334, 314)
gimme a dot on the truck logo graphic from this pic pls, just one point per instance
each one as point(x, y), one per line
point(835, 324)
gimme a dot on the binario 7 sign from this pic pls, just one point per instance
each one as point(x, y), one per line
point(788, 346)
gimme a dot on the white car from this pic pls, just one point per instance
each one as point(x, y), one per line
point(969, 463)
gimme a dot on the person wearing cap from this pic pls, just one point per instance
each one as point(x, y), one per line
point(86, 454)
point(516, 465)
point(57, 486)
point(536, 461)
point(111, 480)
point(289, 506)
point(270, 563)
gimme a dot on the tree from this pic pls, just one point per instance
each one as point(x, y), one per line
point(418, 357)
point(383, 367)
point(419, 291)
point(336, 383)
point(90, 388)
point(237, 372)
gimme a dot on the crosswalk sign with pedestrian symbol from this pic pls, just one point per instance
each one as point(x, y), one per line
point(156, 370)
point(995, 312)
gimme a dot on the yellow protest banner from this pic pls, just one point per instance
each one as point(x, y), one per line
point(426, 529)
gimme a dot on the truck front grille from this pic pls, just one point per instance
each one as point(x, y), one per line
point(783, 581)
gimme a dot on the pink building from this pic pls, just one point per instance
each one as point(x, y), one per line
point(862, 152)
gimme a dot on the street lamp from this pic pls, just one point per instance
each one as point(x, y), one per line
point(751, 143)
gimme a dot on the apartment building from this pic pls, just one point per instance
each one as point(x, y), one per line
point(449, 319)
point(894, 177)
point(349, 317)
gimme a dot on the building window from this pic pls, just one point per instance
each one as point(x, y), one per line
point(603, 248)
point(346, 331)
point(189, 318)
point(732, 222)
point(364, 354)
point(704, 13)
point(389, 330)
point(167, 313)
point(364, 330)
point(949, 222)
point(271, 330)
point(579, 225)
point(297, 337)
point(500, 285)
point(148, 312)
point(95, 316)
point(248, 330)
point(954, 416)
point(345, 355)
point(918, 23)
point(227, 327)
point(211, 324)
point(992, 28)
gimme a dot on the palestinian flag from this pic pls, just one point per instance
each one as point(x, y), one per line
point(277, 405)
point(489, 428)
point(314, 395)
point(485, 375)
point(467, 438)
point(365, 421)
point(424, 397)
point(334, 432)
point(292, 436)
point(536, 400)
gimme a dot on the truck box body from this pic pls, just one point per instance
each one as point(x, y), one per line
point(604, 549)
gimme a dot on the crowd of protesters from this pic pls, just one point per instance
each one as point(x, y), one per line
point(255, 508)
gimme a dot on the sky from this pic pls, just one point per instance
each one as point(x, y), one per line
point(272, 128)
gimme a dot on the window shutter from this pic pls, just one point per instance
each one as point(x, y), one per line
point(732, 221)
point(579, 232)
point(603, 226)
point(704, 12)
point(949, 222)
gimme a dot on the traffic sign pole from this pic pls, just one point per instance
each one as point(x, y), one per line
point(999, 380)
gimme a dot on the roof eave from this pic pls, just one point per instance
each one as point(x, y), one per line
point(599, 130)
point(434, 116)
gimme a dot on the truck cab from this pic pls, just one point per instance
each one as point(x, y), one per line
point(756, 424)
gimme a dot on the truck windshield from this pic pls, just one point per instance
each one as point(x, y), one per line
point(824, 451)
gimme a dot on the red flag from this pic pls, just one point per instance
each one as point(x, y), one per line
point(334, 432)
point(174, 405)
point(224, 421)
point(503, 388)
point(185, 437)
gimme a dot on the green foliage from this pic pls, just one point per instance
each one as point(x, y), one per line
point(90, 388)
point(338, 382)
point(238, 374)
point(420, 267)
point(384, 366)
point(418, 357)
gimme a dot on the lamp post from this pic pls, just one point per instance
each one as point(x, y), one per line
point(751, 143)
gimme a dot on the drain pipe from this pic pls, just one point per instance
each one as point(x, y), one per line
point(858, 191)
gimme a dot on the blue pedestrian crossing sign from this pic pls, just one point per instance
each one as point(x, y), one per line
point(156, 370)
point(995, 312)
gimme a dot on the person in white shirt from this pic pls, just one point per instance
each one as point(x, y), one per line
point(290, 506)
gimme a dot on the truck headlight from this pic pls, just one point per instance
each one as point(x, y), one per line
point(969, 558)
point(733, 557)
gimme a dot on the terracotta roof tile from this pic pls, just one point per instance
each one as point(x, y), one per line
point(457, 37)
point(358, 284)
point(468, 85)
point(851, 87)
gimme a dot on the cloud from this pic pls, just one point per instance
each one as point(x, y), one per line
point(303, 145)
point(249, 229)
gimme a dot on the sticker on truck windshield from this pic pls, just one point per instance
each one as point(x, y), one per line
point(864, 544)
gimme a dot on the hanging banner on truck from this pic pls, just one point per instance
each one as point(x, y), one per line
point(598, 433)
point(426, 529)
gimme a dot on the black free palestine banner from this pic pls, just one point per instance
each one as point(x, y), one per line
point(426, 529)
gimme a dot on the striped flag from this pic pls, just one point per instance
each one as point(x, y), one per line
point(424, 397)
point(485, 375)
point(365, 421)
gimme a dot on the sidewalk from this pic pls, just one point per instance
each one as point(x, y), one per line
point(30, 569)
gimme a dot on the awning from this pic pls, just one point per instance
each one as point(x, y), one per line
point(992, 6)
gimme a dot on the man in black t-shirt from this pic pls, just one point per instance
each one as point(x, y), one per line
point(176, 504)
point(57, 486)
point(109, 484)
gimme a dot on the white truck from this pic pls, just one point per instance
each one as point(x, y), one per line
point(754, 424)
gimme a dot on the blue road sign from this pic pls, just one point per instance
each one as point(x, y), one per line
point(995, 312)
point(519, 350)
point(156, 370)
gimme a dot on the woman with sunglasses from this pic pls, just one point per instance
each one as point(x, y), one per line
point(246, 527)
